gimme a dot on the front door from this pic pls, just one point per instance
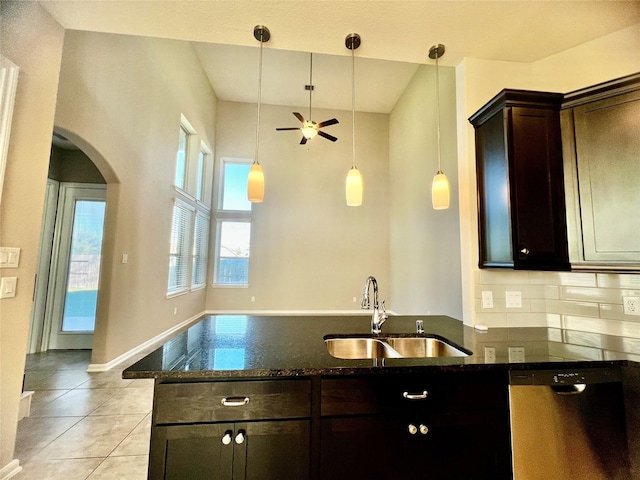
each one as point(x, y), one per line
point(75, 267)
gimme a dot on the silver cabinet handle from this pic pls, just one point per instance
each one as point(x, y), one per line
point(415, 396)
point(226, 440)
point(240, 437)
point(412, 429)
point(235, 401)
point(524, 251)
point(423, 429)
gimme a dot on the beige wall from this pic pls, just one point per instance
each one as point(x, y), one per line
point(310, 251)
point(425, 243)
point(32, 40)
point(477, 81)
point(120, 100)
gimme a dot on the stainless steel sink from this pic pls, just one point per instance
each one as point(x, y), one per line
point(367, 346)
point(358, 348)
point(424, 347)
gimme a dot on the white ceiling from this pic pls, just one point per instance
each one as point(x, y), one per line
point(396, 36)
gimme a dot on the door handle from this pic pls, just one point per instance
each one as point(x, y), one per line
point(240, 437)
point(226, 440)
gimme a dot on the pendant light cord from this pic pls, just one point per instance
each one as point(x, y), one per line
point(438, 110)
point(259, 99)
point(353, 104)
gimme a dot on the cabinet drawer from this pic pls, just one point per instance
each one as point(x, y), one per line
point(231, 401)
point(438, 393)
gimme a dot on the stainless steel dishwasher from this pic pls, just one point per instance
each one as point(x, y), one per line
point(568, 424)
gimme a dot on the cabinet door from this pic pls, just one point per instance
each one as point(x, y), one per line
point(537, 189)
point(192, 452)
point(464, 446)
point(607, 144)
point(274, 450)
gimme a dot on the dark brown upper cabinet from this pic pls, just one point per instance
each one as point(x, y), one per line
point(521, 203)
point(601, 138)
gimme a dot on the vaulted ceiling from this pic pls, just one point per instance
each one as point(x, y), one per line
point(396, 36)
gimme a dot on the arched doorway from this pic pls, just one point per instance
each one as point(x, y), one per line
point(65, 300)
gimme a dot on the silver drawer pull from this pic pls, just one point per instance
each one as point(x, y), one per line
point(226, 440)
point(412, 429)
point(415, 396)
point(235, 401)
point(423, 429)
point(240, 437)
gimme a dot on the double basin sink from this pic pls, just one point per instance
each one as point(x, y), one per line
point(368, 346)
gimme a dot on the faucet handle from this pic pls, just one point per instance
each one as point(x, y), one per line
point(383, 314)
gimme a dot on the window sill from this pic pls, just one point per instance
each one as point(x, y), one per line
point(177, 293)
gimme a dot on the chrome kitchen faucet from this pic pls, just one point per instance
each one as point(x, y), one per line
point(378, 317)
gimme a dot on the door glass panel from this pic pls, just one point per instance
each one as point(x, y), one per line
point(84, 267)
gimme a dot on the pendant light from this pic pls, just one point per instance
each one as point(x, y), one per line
point(440, 186)
point(255, 182)
point(354, 185)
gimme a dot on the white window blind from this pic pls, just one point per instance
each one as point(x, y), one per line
point(180, 252)
point(200, 250)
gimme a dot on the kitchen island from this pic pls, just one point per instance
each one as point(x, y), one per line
point(261, 397)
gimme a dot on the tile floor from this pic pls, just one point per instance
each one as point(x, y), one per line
point(83, 425)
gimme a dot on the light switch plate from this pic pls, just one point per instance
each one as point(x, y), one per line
point(9, 257)
point(513, 299)
point(8, 287)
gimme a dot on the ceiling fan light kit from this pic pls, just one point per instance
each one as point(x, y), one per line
point(309, 128)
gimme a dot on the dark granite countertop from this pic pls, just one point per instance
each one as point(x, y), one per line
point(239, 346)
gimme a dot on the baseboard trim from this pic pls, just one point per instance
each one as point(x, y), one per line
point(155, 341)
point(10, 470)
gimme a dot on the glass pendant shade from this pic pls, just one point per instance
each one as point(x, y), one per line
point(440, 191)
point(354, 187)
point(255, 183)
point(309, 130)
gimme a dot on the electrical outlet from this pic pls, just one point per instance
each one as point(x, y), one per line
point(513, 299)
point(631, 305)
point(489, 354)
point(516, 354)
point(487, 299)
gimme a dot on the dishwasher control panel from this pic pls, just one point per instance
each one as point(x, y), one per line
point(565, 376)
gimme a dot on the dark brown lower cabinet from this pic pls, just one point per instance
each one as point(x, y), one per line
point(266, 450)
point(464, 445)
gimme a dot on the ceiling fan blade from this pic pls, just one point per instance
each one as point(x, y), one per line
point(299, 117)
point(289, 128)
point(327, 136)
point(326, 123)
point(303, 141)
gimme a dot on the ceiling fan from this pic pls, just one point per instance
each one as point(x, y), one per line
point(309, 128)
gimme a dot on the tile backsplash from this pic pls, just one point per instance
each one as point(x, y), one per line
point(587, 302)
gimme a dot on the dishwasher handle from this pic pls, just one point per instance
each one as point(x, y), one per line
point(574, 389)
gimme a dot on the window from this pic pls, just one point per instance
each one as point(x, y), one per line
point(180, 247)
point(191, 219)
point(204, 181)
point(233, 225)
point(182, 157)
point(200, 250)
